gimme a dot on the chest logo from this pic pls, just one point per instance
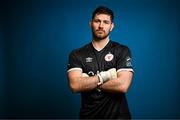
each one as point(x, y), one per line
point(89, 59)
point(109, 57)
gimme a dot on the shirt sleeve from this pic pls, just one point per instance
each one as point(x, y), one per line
point(73, 62)
point(124, 61)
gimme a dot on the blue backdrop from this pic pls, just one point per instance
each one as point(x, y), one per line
point(36, 37)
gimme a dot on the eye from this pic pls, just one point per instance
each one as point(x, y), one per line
point(106, 22)
point(96, 20)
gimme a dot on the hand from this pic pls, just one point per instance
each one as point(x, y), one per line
point(85, 75)
point(105, 76)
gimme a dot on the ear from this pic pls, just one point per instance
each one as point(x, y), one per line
point(112, 26)
point(90, 24)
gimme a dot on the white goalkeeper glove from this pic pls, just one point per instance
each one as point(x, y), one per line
point(105, 76)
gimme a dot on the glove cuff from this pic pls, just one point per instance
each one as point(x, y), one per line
point(100, 80)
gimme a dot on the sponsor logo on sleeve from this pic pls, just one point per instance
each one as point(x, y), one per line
point(128, 62)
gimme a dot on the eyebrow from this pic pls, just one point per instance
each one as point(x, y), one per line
point(100, 19)
point(109, 21)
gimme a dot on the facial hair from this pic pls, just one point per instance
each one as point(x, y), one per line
point(100, 37)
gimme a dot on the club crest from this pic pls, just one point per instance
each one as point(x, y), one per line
point(109, 57)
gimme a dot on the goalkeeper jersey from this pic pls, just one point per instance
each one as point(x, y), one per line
point(97, 104)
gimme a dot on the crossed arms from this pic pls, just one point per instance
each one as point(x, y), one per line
point(80, 83)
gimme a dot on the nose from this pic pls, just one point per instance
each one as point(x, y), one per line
point(100, 24)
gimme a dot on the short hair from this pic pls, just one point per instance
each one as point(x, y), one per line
point(103, 10)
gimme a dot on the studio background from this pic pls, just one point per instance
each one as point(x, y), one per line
point(36, 37)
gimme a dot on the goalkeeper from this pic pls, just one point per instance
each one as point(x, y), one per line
point(101, 71)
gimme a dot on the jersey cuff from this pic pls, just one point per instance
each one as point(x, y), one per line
point(76, 68)
point(125, 69)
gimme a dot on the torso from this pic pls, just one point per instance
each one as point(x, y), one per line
point(99, 104)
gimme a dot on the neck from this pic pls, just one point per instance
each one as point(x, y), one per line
point(100, 44)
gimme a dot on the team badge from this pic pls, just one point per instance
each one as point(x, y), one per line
point(109, 57)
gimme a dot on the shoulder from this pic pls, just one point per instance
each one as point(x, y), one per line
point(118, 46)
point(81, 50)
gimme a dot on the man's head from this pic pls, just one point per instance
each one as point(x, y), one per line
point(102, 22)
point(103, 10)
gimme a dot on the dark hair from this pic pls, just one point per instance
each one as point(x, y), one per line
point(103, 10)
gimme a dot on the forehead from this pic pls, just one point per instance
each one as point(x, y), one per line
point(102, 17)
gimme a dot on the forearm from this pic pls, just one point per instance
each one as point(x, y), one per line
point(115, 85)
point(120, 84)
point(83, 84)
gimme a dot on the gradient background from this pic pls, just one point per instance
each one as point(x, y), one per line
point(36, 37)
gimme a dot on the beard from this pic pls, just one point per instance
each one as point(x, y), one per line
point(100, 35)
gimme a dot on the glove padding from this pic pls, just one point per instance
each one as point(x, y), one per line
point(108, 75)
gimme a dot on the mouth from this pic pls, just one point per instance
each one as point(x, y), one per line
point(100, 31)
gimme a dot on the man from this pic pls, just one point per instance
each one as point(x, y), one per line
point(101, 71)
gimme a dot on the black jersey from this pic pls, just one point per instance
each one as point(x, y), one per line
point(99, 104)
